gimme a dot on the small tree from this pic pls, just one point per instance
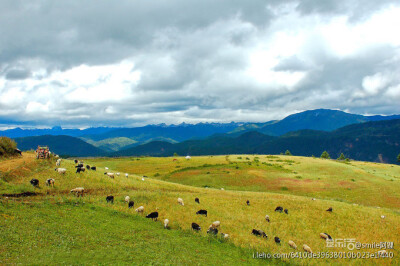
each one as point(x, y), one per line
point(325, 155)
point(287, 152)
point(398, 158)
point(175, 154)
point(341, 157)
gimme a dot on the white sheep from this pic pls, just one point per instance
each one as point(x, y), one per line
point(166, 223)
point(106, 168)
point(58, 162)
point(78, 191)
point(307, 248)
point(225, 236)
point(180, 201)
point(142, 179)
point(127, 199)
point(140, 209)
point(383, 216)
point(267, 218)
point(61, 170)
point(126, 175)
point(117, 174)
point(292, 244)
point(215, 224)
point(222, 188)
point(111, 175)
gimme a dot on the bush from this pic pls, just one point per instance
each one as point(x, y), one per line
point(7, 146)
point(287, 152)
point(341, 157)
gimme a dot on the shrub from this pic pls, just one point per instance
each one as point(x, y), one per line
point(325, 155)
point(341, 157)
point(287, 152)
point(7, 146)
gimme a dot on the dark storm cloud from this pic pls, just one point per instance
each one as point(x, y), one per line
point(137, 62)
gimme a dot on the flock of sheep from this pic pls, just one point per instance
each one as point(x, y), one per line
point(212, 229)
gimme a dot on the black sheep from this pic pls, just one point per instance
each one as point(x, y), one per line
point(329, 237)
point(286, 211)
point(330, 209)
point(212, 230)
point(93, 168)
point(34, 182)
point(80, 169)
point(277, 240)
point(153, 216)
point(79, 165)
point(248, 202)
point(196, 227)
point(88, 167)
point(202, 212)
point(110, 199)
point(75, 161)
point(197, 200)
point(279, 209)
point(259, 233)
point(131, 204)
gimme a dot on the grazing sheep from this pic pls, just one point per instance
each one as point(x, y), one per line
point(34, 182)
point(267, 218)
point(142, 179)
point(50, 182)
point(292, 244)
point(323, 236)
point(117, 174)
point(127, 199)
point(111, 175)
point(93, 168)
point(180, 201)
point(215, 224)
point(153, 216)
point(329, 237)
point(330, 209)
point(61, 170)
point(78, 191)
point(279, 209)
point(106, 168)
point(212, 230)
point(286, 211)
point(88, 167)
point(110, 199)
point(277, 240)
point(222, 188)
point(313, 199)
point(225, 236)
point(202, 212)
point(307, 248)
point(383, 216)
point(259, 233)
point(196, 227)
point(126, 175)
point(131, 204)
point(166, 223)
point(80, 169)
point(140, 209)
point(58, 162)
point(197, 200)
point(248, 202)
point(75, 161)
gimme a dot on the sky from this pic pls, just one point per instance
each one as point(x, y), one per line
point(131, 63)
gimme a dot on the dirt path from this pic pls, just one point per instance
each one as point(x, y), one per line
point(11, 164)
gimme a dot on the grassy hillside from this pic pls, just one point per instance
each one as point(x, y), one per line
point(69, 230)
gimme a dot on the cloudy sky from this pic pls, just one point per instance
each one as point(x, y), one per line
point(129, 63)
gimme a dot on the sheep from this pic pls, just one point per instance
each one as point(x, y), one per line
point(88, 167)
point(166, 223)
point(248, 203)
point(58, 162)
point(196, 227)
point(215, 224)
point(277, 240)
point(279, 209)
point(292, 244)
point(79, 191)
point(202, 212)
point(50, 182)
point(329, 209)
point(80, 169)
point(61, 170)
point(180, 201)
point(307, 248)
point(212, 230)
point(117, 174)
point(110, 198)
point(93, 168)
point(111, 175)
point(34, 182)
point(313, 199)
point(142, 179)
point(75, 161)
point(106, 168)
point(197, 200)
point(383, 216)
point(153, 216)
point(127, 199)
point(126, 175)
point(131, 204)
point(267, 218)
point(79, 165)
point(259, 233)
point(140, 209)
point(222, 188)
point(286, 211)
point(225, 236)
point(325, 236)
